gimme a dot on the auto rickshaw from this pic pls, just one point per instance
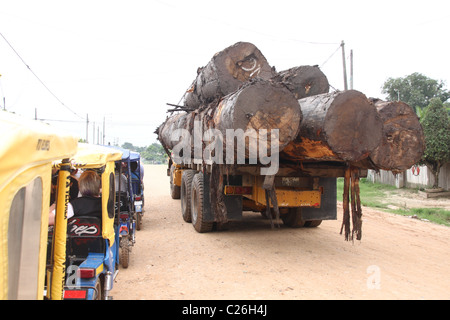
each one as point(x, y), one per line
point(92, 243)
point(125, 207)
point(27, 151)
point(137, 184)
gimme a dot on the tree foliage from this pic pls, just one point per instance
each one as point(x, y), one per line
point(436, 128)
point(416, 90)
point(153, 153)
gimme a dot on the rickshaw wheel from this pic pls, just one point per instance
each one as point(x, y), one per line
point(138, 221)
point(124, 256)
point(98, 290)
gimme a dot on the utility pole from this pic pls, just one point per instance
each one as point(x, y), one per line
point(103, 131)
point(343, 64)
point(351, 69)
point(93, 132)
point(87, 127)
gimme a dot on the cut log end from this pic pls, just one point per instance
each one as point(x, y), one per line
point(304, 81)
point(353, 126)
point(402, 144)
point(262, 105)
point(338, 126)
point(226, 71)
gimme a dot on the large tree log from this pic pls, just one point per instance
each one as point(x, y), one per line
point(402, 144)
point(226, 71)
point(304, 81)
point(257, 105)
point(338, 126)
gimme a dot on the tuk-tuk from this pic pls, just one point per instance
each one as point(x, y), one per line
point(27, 151)
point(137, 184)
point(92, 243)
point(125, 206)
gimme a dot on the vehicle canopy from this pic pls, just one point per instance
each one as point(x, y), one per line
point(27, 151)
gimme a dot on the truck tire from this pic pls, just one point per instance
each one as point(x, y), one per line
point(313, 223)
point(174, 189)
point(197, 210)
point(186, 188)
point(293, 218)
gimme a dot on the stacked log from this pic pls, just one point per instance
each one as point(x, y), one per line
point(226, 71)
point(343, 127)
point(257, 105)
point(338, 126)
point(402, 143)
point(304, 81)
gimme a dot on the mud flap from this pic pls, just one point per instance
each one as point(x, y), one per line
point(232, 202)
point(328, 207)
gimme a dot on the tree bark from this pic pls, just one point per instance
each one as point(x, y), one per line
point(304, 81)
point(338, 126)
point(226, 71)
point(403, 143)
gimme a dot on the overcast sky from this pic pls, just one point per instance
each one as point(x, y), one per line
point(122, 61)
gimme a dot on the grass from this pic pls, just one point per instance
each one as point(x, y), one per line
point(376, 195)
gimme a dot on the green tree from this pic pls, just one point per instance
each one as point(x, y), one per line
point(154, 153)
point(416, 90)
point(436, 129)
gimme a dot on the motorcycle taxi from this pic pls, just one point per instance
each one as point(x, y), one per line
point(137, 184)
point(125, 207)
point(92, 243)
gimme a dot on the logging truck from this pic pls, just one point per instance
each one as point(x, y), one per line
point(249, 138)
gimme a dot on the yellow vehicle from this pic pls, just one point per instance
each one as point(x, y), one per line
point(92, 244)
point(27, 151)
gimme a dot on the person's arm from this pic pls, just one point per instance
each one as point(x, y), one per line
point(51, 215)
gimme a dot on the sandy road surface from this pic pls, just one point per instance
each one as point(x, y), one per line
point(398, 257)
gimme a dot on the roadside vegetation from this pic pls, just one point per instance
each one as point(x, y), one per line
point(383, 197)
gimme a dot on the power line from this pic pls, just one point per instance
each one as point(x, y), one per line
point(340, 45)
point(28, 67)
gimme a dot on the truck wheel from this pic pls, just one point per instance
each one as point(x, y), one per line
point(197, 217)
point(293, 218)
point(313, 223)
point(186, 187)
point(124, 256)
point(174, 189)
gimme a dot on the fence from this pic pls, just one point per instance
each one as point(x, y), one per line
point(416, 177)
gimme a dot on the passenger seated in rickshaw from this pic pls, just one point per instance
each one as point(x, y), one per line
point(121, 180)
point(135, 178)
point(90, 202)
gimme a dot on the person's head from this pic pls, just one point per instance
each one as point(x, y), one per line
point(89, 184)
point(133, 166)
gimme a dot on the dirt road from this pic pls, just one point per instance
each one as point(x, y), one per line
point(398, 257)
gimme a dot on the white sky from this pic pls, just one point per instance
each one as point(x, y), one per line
point(122, 61)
